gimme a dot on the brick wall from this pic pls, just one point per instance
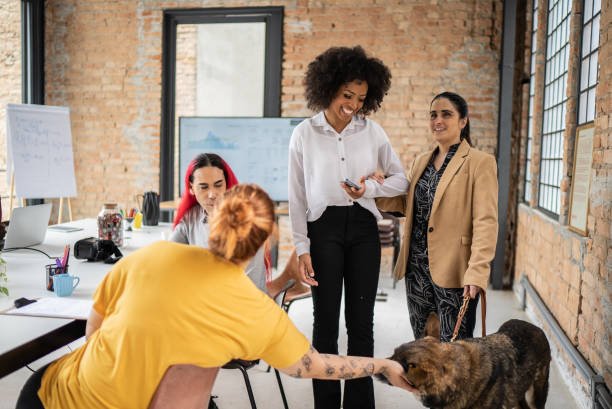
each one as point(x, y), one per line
point(10, 79)
point(103, 60)
point(571, 272)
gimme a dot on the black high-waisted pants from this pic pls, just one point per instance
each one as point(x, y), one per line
point(345, 249)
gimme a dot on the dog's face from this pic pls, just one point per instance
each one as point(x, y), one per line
point(427, 367)
point(422, 361)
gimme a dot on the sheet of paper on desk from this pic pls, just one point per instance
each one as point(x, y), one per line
point(55, 307)
point(64, 229)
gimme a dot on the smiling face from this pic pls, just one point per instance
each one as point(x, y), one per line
point(347, 102)
point(208, 185)
point(445, 122)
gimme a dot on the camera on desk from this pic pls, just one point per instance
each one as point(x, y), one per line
point(93, 249)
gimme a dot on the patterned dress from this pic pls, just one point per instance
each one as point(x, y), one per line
point(423, 295)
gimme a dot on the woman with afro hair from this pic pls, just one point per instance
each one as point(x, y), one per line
point(335, 225)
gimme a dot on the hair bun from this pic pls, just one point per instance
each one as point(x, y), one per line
point(241, 223)
point(239, 217)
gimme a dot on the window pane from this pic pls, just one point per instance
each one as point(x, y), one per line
point(588, 9)
point(224, 86)
point(597, 6)
point(211, 79)
point(591, 105)
point(586, 39)
point(583, 108)
point(595, 33)
point(593, 69)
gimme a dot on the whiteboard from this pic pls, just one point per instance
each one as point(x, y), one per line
point(257, 149)
point(39, 151)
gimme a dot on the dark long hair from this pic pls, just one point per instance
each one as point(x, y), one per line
point(462, 108)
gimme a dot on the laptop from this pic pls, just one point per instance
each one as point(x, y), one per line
point(27, 226)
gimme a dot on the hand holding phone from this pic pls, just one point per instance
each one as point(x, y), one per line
point(352, 184)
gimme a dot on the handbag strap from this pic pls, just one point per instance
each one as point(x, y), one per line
point(463, 309)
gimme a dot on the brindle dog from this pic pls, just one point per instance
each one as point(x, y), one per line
point(508, 369)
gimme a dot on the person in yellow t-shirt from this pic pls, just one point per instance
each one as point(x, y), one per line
point(171, 304)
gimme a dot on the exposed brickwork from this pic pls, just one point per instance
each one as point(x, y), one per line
point(10, 79)
point(105, 65)
point(456, 48)
point(103, 60)
point(570, 272)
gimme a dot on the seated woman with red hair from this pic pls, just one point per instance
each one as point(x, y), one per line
point(207, 178)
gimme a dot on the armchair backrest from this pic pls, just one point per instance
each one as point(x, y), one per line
point(184, 386)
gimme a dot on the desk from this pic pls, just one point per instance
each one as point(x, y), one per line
point(26, 339)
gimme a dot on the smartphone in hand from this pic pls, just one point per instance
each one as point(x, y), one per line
point(352, 184)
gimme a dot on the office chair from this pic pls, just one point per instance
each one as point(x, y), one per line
point(243, 365)
point(287, 302)
point(389, 234)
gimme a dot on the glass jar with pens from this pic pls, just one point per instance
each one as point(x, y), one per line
point(110, 224)
point(128, 218)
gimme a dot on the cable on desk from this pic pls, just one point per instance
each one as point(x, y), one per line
point(25, 248)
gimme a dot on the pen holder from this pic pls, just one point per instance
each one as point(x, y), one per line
point(53, 269)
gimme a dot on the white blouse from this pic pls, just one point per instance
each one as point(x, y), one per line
point(320, 158)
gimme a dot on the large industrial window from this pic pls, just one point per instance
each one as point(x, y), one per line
point(589, 66)
point(534, 47)
point(555, 98)
point(217, 62)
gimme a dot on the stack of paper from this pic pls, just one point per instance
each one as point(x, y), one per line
point(55, 307)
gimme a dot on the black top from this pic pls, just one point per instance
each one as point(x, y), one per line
point(424, 193)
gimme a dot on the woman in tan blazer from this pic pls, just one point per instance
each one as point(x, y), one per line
point(451, 222)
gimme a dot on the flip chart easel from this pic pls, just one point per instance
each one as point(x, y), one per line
point(40, 162)
point(60, 210)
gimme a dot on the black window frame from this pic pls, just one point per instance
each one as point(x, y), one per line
point(528, 179)
point(32, 58)
point(548, 89)
point(272, 16)
point(583, 57)
point(33, 52)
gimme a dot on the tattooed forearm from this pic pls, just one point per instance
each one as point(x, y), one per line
point(326, 366)
point(306, 362)
point(346, 373)
point(297, 373)
point(368, 370)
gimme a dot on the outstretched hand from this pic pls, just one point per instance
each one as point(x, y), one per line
point(394, 374)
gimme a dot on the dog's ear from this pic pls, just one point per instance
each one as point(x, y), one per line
point(432, 326)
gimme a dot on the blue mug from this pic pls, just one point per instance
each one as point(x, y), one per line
point(64, 284)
